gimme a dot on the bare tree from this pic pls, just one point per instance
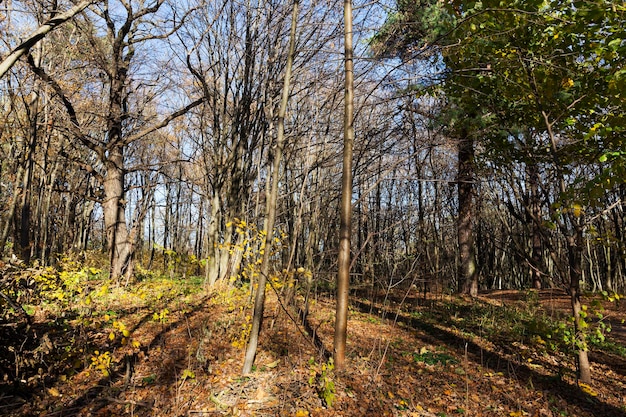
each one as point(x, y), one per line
point(345, 228)
point(124, 120)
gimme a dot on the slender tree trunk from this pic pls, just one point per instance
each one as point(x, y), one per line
point(536, 255)
point(575, 250)
point(574, 242)
point(213, 251)
point(259, 301)
point(26, 196)
point(345, 227)
point(45, 221)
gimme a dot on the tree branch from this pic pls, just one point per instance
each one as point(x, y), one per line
point(75, 125)
point(165, 121)
point(40, 33)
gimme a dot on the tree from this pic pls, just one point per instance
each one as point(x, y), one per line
point(124, 119)
point(429, 22)
point(270, 210)
point(345, 227)
point(543, 81)
point(543, 74)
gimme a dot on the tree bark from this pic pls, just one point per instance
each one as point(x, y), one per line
point(574, 242)
point(118, 245)
point(534, 220)
point(468, 278)
point(575, 250)
point(345, 227)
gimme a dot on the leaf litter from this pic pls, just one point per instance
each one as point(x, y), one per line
point(401, 362)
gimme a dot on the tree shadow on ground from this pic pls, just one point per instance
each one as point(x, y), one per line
point(34, 353)
point(106, 389)
point(497, 362)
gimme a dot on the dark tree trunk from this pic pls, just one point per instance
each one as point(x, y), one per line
point(345, 228)
point(536, 267)
point(468, 278)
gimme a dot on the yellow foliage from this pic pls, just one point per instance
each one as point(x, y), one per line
point(187, 374)
point(587, 389)
point(577, 210)
point(161, 316)
point(101, 362)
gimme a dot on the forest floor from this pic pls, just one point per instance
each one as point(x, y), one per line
point(165, 347)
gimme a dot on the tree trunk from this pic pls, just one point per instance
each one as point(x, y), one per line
point(118, 245)
point(212, 266)
point(574, 250)
point(468, 278)
point(345, 227)
point(574, 241)
point(259, 301)
point(534, 220)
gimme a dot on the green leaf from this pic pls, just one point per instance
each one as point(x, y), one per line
point(615, 43)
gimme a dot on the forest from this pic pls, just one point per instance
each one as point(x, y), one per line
point(312, 208)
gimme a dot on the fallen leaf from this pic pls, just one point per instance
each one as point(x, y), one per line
point(54, 392)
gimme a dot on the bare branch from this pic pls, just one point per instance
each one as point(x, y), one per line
point(165, 121)
point(75, 125)
point(40, 33)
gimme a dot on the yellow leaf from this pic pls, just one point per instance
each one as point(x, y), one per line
point(302, 413)
point(126, 333)
point(587, 389)
point(273, 364)
point(187, 374)
point(54, 392)
point(111, 336)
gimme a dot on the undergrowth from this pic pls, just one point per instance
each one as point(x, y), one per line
point(83, 319)
point(526, 323)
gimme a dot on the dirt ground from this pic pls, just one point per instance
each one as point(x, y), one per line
point(412, 361)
